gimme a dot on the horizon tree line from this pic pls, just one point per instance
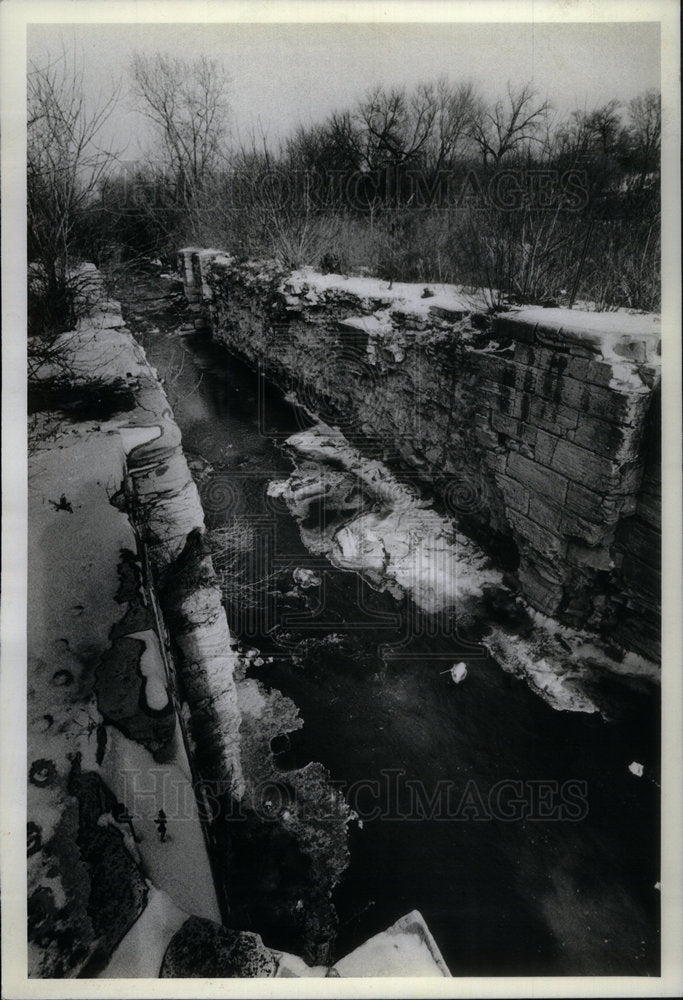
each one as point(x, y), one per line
point(197, 185)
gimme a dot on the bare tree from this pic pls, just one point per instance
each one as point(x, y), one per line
point(66, 165)
point(396, 125)
point(592, 135)
point(603, 126)
point(645, 130)
point(451, 133)
point(509, 124)
point(188, 103)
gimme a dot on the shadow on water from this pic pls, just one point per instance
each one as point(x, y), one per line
point(518, 831)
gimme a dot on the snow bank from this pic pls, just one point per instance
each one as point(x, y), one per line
point(624, 340)
point(142, 950)
point(407, 296)
point(152, 669)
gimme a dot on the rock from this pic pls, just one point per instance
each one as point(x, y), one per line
point(201, 949)
point(451, 314)
point(117, 887)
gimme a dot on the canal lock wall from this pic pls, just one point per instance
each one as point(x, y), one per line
point(537, 428)
point(126, 540)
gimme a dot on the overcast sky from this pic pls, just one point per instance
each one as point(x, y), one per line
point(287, 74)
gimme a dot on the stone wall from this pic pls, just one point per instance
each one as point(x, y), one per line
point(536, 427)
point(104, 739)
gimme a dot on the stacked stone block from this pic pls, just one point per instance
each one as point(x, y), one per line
point(569, 459)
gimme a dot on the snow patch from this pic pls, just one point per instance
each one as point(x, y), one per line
point(560, 662)
point(407, 295)
point(141, 952)
point(407, 948)
point(179, 865)
point(131, 437)
point(152, 669)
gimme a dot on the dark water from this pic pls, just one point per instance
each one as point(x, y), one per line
point(516, 830)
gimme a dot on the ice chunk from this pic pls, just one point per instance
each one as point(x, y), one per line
point(458, 672)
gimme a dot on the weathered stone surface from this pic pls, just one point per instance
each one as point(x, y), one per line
point(595, 557)
point(584, 466)
point(117, 887)
point(650, 507)
point(520, 430)
point(607, 440)
point(598, 373)
point(192, 605)
point(516, 495)
point(642, 542)
point(508, 325)
point(542, 590)
point(440, 312)
point(545, 448)
point(545, 512)
point(536, 477)
point(552, 416)
point(201, 949)
point(542, 540)
point(556, 518)
point(594, 506)
point(486, 438)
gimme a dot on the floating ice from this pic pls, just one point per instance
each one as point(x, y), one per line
point(458, 672)
point(306, 578)
point(377, 526)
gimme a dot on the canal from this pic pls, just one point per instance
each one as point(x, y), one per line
point(517, 830)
